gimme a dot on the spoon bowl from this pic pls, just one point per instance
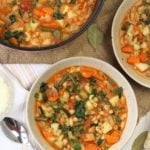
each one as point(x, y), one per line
point(15, 131)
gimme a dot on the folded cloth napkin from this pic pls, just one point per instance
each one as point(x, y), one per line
point(23, 77)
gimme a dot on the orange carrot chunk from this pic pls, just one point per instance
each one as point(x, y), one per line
point(133, 59)
point(143, 57)
point(113, 138)
point(127, 49)
point(51, 25)
point(38, 12)
point(91, 146)
point(48, 10)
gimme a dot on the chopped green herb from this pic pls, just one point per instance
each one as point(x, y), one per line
point(92, 81)
point(43, 87)
point(80, 109)
point(100, 141)
point(53, 117)
point(119, 91)
point(102, 95)
point(58, 15)
point(12, 18)
point(75, 144)
point(65, 129)
point(118, 119)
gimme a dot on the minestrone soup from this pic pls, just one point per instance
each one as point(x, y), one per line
point(135, 37)
point(39, 23)
point(80, 108)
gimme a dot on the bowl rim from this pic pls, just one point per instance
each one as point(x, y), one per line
point(132, 122)
point(90, 20)
point(133, 75)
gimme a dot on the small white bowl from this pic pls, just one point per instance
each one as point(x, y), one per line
point(10, 96)
point(92, 62)
point(121, 12)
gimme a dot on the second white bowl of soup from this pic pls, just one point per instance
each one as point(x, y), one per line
point(130, 38)
point(81, 103)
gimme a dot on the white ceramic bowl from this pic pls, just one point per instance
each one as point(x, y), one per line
point(122, 11)
point(92, 62)
point(9, 84)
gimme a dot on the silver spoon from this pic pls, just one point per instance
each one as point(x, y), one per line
point(15, 131)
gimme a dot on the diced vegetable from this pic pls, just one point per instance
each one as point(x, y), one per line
point(106, 127)
point(114, 100)
point(80, 109)
point(118, 91)
point(76, 144)
point(142, 66)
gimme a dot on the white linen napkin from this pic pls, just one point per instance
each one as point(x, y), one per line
point(23, 77)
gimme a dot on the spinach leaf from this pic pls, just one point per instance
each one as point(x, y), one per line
point(53, 117)
point(12, 18)
point(118, 119)
point(100, 141)
point(15, 34)
point(102, 95)
point(65, 130)
point(75, 144)
point(80, 109)
point(119, 91)
point(43, 87)
point(58, 15)
point(92, 81)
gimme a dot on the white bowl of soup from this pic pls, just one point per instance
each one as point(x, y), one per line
point(44, 24)
point(131, 39)
point(81, 103)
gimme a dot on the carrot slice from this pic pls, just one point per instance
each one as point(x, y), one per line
point(113, 138)
point(47, 134)
point(13, 41)
point(48, 10)
point(133, 59)
point(38, 12)
point(91, 146)
point(127, 49)
point(86, 74)
point(52, 25)
point(53, 95)
point(143, 57)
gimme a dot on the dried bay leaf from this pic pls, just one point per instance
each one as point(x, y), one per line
point(139, 141)
point(95, 36)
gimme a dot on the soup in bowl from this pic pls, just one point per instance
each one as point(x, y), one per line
point(34, 24)
point(131, 39)
point(77, 105)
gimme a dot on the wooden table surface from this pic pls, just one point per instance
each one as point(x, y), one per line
point(80, 47)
